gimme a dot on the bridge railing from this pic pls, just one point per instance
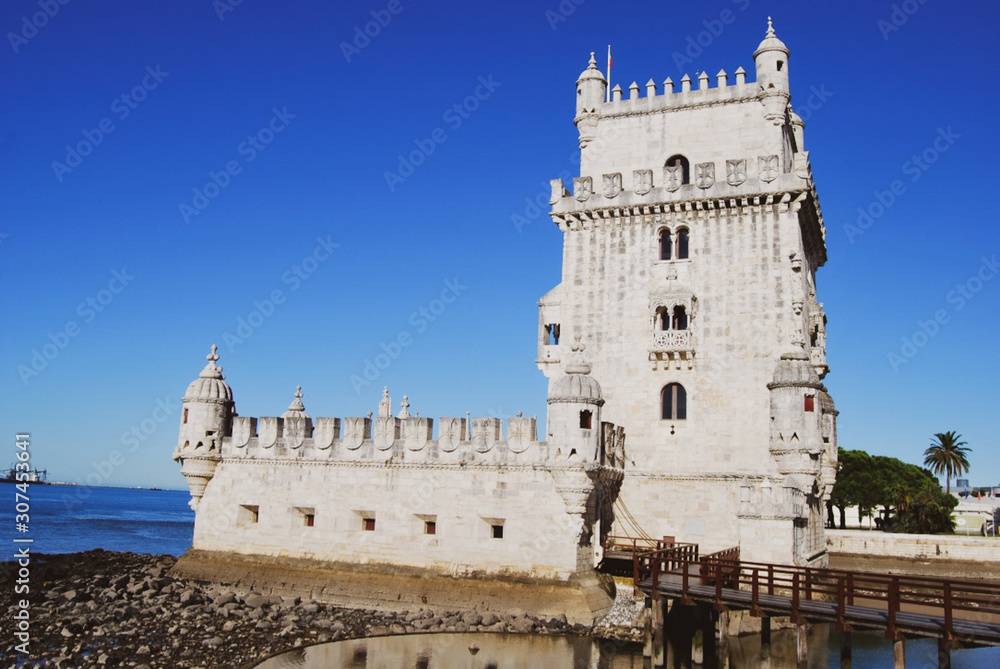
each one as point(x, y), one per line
point(947, 599)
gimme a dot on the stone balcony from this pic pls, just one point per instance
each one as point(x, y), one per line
point(671, 348)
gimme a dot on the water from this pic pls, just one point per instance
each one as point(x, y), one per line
point(70, 519)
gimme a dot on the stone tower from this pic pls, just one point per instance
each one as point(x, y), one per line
point(206, 417)
point(691, 243)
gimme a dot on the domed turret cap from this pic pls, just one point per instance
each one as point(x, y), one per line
point(210, 386)
point(592, 72)
point(577, 385)
point(771, 42)
point(795, 369)
point(296, 409)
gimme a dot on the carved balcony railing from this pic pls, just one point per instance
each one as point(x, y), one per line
point(671, 340)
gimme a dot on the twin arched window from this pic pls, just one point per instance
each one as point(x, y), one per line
point(673, 402)
point(674, 246)
point(672, 320)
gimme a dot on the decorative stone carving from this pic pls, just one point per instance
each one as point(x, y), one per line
point(642, 181)
point(736, 171)
point(268, 432)
point(326, 431)
point(768, 167)
point(704, 175)
point(356, 430)
point(417, 432)
point(451, 433)
point(520, 433)
point(385, 431)
point(485, 433)
point(385, 404)
point(612, 185)
point(295, 431)
point(801, 166)
point(558, 190)
point(583, 188)
point(673, 177)
point(242, 429)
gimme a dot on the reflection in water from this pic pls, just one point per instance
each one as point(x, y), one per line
point(472, 651)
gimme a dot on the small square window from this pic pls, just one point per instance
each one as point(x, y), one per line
point(248, 515)
point(369, 524)
point(430, 527)
point(309, 519)
point(810, 404)
point(497, 531)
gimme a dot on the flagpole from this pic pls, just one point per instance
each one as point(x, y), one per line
point(607, 92)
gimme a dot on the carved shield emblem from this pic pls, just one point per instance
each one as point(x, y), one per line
point(484, 433)
point(416, 433)
point(384, 432)
point(295, 432)
point(768, 166)
point(612, 185)
point(241, 431)
point(642, 181)
point(451, 433)
point(267, 432)
point(355, 432)
point(736, 171)
point(704, 175)
point(326, 431)
point(520, 433)
point(583, 188)
point(673, 175)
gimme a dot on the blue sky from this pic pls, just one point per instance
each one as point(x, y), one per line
point(250, 140)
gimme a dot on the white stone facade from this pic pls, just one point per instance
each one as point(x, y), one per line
point(732, 318)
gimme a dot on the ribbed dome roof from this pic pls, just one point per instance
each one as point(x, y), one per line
point(771, 42)
point(210, 386)
point(795, 368)
point(577, 385)
point(591, 72)
point(296, 409)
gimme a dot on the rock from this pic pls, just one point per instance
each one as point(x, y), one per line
point(338, 627)
point(471, 618)
point(522, 625)
point(255, 601)
point(489, 619)
point(214, 642)
point(70, 595)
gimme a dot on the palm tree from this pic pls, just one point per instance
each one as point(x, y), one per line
point(947, 456)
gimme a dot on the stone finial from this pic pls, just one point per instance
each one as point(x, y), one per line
point(616, 93)
point(721, 78)
point(668, 85)
point(211, 370)
point(703, 80)
point(741, 76)
point(384, 405)
point(592, 65)
point(650, 88)
point(296, 404)
point(633, 91)
point(577, 364)
point(685, 84)
point(770, 33)
point(404, 411)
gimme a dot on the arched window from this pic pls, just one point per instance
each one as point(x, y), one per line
point(678, 159)
point(680, 321)
point(673, 402)
point(665, 246)
point(662, 318)
point(682, 244)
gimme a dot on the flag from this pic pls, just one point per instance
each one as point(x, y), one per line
point(607, 93)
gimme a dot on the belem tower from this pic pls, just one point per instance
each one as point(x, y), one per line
point(684, 349)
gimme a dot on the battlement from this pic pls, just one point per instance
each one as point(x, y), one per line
point(406, 440)
point(669, 98)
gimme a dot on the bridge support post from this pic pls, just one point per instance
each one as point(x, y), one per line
point(801, 645)
point(944, 653)
point(647, 632)
point(845, 649)
point(765, 637)
point(654, 634)
point(709, 619)
point(899, 653)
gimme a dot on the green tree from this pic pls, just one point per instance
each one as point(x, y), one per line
point(947, 456)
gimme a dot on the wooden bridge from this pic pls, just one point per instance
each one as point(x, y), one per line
point(959, 614)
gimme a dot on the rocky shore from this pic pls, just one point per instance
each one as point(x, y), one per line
point(109, 609)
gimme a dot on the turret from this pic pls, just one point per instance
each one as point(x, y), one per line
point(574, 420)
point(591, 89)
point(206, 417)
point(796, 407)
point(771, 60)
